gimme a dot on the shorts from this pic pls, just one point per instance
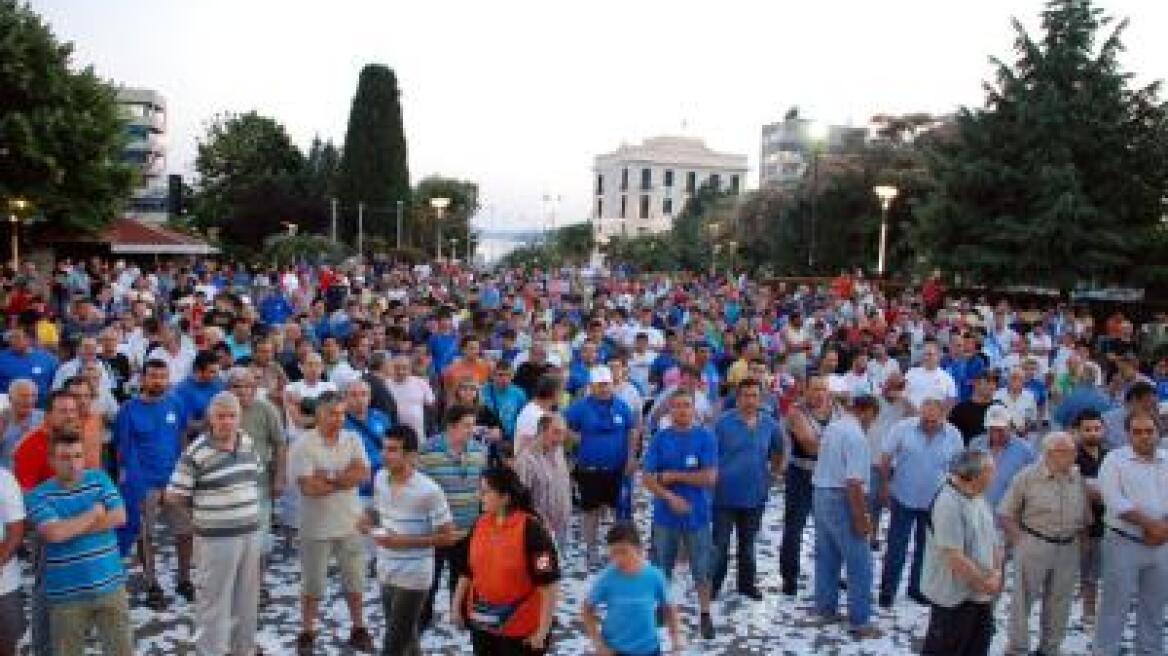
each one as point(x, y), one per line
point(698, 543)
point(1090, 559)
point(12, 619)
point(314, 561)
point(598, 487)
point(152, 507)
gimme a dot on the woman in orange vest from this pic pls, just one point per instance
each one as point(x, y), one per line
point(507, 593)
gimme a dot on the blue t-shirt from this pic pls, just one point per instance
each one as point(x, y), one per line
point(690, 449)
point(275, 309)
point(443, 349)
point(36, 364)
point(88, 565)
point(604, 427)
point(372, 432)
point(630, 603)
point(196, 396)
point(148, 435)
point(506, 403)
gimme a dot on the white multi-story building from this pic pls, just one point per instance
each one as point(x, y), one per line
point(639, 189)
point(145, 113)
point(789, 146)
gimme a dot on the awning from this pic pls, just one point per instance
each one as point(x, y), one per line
point(128, 236)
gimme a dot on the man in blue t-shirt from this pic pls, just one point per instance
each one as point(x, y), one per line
point(24, 360)
point(443, 342)
point(196, 390)
point(632, 591)
point(75, 514)
point(607, 429)
point(681, 468)
point(371, 424)
point(148, 437)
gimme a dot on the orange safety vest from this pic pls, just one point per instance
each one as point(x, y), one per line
point(500, 583)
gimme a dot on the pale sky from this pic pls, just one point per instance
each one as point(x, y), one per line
point(520, 96)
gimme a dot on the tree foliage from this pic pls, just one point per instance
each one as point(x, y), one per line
point(61, 131)
point(423, 225)
point(253, 180)
point(1062, 177)
point(644, 253)
point(374, 169)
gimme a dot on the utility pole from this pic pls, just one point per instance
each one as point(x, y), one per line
point(333, 213)
point(360, 228)
point(399, 224)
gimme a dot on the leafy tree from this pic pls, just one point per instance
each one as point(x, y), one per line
point(252, 180)
point(374, 169)
point(323, 167)
point(574, 242)
point(423, 226)
point(644, 253)
point(693, 242)
point(61, 131)
point(1062, 177)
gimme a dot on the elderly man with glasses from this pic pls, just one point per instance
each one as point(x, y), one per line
point(1044, 514)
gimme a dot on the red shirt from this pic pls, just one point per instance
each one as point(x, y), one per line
point(30, 459)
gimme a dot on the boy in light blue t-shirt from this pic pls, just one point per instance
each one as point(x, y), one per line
point(633, 592)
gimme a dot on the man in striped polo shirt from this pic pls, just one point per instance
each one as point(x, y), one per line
point(455, 462)
point(412, 517)
point(217, 478)
point(75, 514)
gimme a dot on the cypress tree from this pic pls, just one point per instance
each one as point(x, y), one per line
point(374, 169)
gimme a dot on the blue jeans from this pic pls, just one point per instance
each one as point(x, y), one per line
point(905, 521)
point(874, 505)
point(838, 546)
point(796, 509)
point(698, 545)
point(745, 523)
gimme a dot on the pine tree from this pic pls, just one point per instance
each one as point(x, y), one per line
point(374, 169)
point(1061, 178)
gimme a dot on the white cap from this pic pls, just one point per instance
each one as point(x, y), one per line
point(600, 374)
point(997, 416)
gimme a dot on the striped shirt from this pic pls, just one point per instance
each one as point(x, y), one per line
point(88, 565)
point(223, 487)
point(457, 475)
point(418, 507)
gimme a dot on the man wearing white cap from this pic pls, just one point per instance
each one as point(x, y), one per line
point(607, 449)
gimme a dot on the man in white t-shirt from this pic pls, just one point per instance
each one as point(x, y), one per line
point(929, 380)
point(412, 394)
point(12, 619)
point(543, 401)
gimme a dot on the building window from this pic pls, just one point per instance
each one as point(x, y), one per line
point(691, 181)
point(624, 206)
point(599, 208)
point(716, 182)
point(599, 184)
point(646, 179)
point(668, 177)
point(645, 206)
point(734, 184)
point(667, 207)
point(624, 179)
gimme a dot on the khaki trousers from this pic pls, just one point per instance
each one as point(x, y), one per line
point(1047, 573)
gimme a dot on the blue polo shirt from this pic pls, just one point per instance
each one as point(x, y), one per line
point(38, 365)
point(744, 453)
point(275, 309)
point(1013, 458)
point(372, 432)
point(604, 427)
point(687, 449)
point(920, 462)
point(963, 371)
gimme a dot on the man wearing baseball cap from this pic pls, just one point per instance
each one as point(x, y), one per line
point(1011, 453)
point(608, 447)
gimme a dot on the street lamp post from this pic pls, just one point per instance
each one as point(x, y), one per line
point(16, 206)
point(886, 194)
point(439, 205)
point(399, 223)
point(817, 133)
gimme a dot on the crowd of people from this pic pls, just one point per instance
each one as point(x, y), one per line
point(436, 426)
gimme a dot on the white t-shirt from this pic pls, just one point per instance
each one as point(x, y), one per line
point(411, 397)
point(921, 383)
point(11, 510)
point(302, 390)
